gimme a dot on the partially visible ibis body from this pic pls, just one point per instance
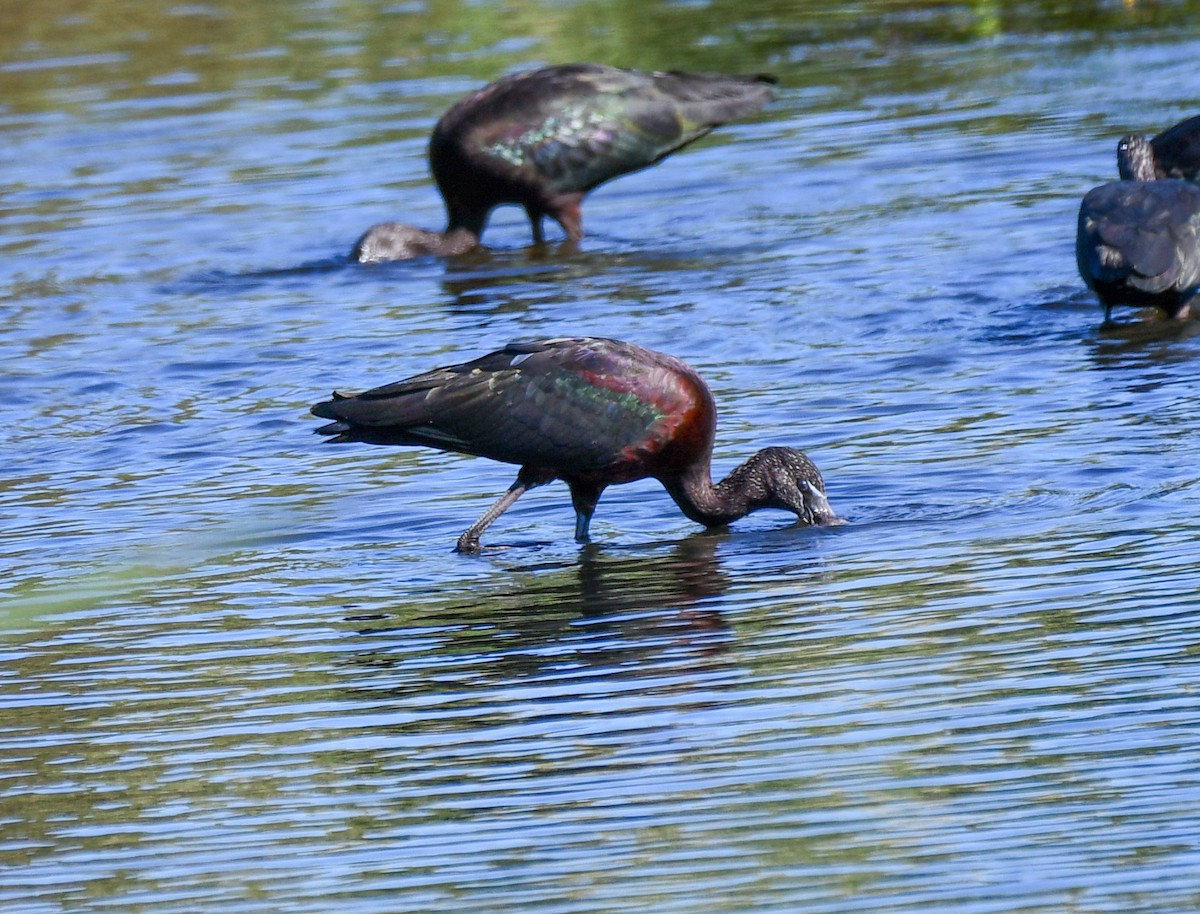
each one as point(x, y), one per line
point(592, 412)
point(1138, 243)
point(543, 138)
point(1174, 153)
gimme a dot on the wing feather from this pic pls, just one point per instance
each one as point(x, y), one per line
point(1142, 234)
point(575, 405)
point(579, 125)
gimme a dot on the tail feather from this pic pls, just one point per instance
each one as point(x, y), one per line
point(327, 409)
point(340, 429)
point(324, 410)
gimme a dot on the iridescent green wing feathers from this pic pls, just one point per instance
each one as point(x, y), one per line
point(569, 404)
point(580, 125)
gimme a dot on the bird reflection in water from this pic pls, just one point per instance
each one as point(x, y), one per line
point(1144, 343)
point(512, 282)
point(605, 615)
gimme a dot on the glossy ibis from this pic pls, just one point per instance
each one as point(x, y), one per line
point(1138, 243)
point(543, 138)
point(591, 412)
point(1174, 153)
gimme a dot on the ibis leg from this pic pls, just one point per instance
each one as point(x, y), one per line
point(535, 223)
point(469, 541)
point(581, 526)
point(583, 498)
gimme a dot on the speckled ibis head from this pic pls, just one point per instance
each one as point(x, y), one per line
point(1135, 158)
point(792, 482)
point(396, 241)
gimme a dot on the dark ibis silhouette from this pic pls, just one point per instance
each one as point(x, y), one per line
point(1174, 153)
point(542, 139)
point(592, 412)
point(1138, 243)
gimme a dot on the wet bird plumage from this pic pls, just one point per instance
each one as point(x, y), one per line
point(592, 412)
point(542, 139)
point(1138, 243)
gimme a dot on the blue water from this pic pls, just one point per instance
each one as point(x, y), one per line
point(243, 670)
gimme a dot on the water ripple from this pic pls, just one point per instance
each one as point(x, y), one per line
point(242, 670)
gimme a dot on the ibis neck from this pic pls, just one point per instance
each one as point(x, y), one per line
point(733, 497)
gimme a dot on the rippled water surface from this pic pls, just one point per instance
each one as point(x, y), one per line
point(243, 670)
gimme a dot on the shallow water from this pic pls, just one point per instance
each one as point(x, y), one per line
point(243, 670)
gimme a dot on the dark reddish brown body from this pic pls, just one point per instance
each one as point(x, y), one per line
point(592, 412)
